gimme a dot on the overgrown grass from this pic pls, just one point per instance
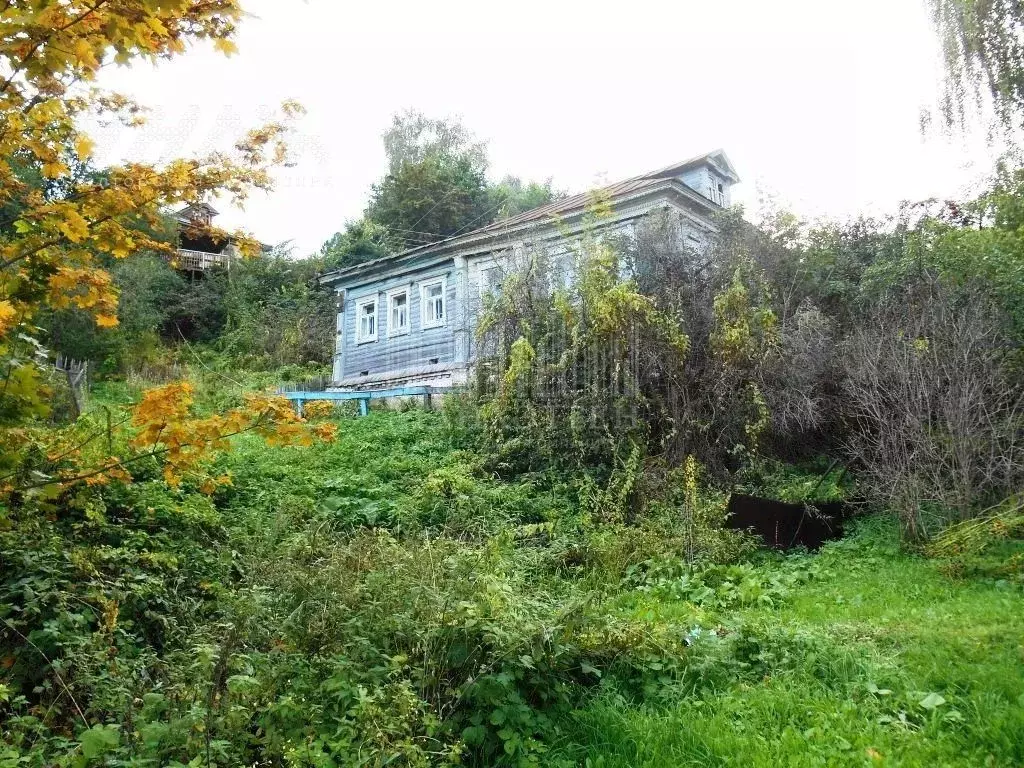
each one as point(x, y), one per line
point(386, 600)
point(877, 658)
point(825, 659)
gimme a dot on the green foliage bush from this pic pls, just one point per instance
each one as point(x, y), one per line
point(276, 315)
point(324, 607)
point(890, 347)
point(385, 599)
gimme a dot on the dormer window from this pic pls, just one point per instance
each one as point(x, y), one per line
point(716, 191)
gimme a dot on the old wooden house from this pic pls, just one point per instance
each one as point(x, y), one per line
point(408, 319)
point(201, 245)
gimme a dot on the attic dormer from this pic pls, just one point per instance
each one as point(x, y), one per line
point(710, 175)
point(197, 215)
point(196, 231)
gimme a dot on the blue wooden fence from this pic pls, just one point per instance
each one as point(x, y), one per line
point(364, 398)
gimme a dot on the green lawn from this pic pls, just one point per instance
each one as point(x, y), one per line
point(878, 659)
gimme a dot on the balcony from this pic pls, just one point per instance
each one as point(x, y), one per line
point(200, 261)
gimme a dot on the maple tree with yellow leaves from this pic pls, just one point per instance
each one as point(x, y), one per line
point(50, 54)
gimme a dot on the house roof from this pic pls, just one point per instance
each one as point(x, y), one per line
point(618, 189)
point(718, 159)
point(205, 207)
point(566, 206)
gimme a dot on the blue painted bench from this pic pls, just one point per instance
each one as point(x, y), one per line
point(365, 397)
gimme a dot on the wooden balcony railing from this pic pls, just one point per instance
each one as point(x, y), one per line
point(200, 261)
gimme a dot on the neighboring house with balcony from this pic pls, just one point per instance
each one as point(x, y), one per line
point(409, 319)
point(200, 245)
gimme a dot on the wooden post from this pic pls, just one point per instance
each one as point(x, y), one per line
point(461, 311)
point(364, 406)
point(338, 371)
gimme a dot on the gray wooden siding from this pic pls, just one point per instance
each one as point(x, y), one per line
point(454, 343)
point(705, 180)
point(419, 347)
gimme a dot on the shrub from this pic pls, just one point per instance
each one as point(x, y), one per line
point(318, 409)
point(938, 408)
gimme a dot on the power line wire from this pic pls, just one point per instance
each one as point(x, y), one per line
point(474, 221)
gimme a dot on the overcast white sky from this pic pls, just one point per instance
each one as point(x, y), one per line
point(817, 101)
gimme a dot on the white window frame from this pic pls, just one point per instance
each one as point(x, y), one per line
point(482, 272)
point(561, 274)
point(716, 189)
point(424, 322)
point(360, 303)
point(392, 295)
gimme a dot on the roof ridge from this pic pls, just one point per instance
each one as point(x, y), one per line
point(569, 204)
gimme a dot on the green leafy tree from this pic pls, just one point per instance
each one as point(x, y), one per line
point(196, 312)
point(983, 53)
point(362, 240)
point(512, 196)
point(275, 313)
point(145, 284)
point(431, 199)
point(436, 187)
point(413, 137)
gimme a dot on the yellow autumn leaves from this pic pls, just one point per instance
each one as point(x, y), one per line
point(60, 230)
point(163, 428)
point(166, 428)
point(8, 317)
point(49, 254)
point(318, 409)
point(88, 289)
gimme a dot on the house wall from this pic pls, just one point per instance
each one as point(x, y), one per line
point(419, 347)
point(422, 355)
point(558, 249)
point(705, 180)
point(692, 234)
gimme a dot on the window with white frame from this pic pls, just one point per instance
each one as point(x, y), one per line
point(398, 312)
point(716, 190)
point(560, 273)
point(366, 319)
point(432, 303)
point(490, 280)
